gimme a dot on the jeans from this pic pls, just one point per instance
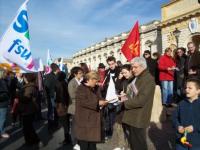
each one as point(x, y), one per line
point(167, 91)
point(3, 112)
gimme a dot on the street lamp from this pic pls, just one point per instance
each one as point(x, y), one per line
point(176, 33)
point(149, 44)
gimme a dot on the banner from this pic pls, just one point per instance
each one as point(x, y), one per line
point(49, 59)
point(15, 44)
point(131, 47)
point(61, 65)
point(49, 62)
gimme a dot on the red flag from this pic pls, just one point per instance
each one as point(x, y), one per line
point(131, 47)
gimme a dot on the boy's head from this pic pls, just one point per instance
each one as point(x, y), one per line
point(192, 88)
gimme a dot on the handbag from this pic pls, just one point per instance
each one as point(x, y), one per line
point(61, 109)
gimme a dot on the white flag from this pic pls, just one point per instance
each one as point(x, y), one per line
point(15, 43)
point(49, 59)
point(38, 65)
point(61, 64)
point(111, 95)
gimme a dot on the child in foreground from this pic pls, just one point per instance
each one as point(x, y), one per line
point(186, 118)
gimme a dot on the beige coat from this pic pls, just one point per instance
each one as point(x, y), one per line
point(72, 87)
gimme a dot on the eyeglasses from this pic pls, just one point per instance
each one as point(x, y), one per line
point(179, 51)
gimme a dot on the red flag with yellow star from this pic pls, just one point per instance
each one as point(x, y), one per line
point(131, 47)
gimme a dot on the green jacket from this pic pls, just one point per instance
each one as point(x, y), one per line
point(138, 108)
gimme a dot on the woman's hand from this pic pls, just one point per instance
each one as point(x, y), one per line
point(102, 103)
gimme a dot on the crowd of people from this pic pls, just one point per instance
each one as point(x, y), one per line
point(78, 102)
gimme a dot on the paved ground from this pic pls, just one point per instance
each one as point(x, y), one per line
point(160, 137)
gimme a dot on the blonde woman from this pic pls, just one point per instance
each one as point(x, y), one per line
point(87, 112)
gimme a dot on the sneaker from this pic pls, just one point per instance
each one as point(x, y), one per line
point(117, 148)
point(174, 105)
point(40, 145)
point(5, 135)
point(76, 147)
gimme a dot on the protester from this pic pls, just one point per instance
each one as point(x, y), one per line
point(120, 132)
point(65, 69)
point(19, 84)
point(193, 59)
point(119, 63)
point(28, 108)
point(109, 112)
point(156, 57)
point(50, 84)
point(101, 71)
point(62, 104)
point(4, 101)
point(167, 66)
point(72, 87)
point(180, 58)
point(138, 107)
point(85, 68)
point(87, 112)
point(151, 63)
point(186, 117)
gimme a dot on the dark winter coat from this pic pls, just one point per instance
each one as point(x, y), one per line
point(115, 73)
point(180, 73)
point(28, 98)
point(87, 114)
point(4, 94)
point(186, 114)
point(50, 84)
point(152, 66)
point(193, 60)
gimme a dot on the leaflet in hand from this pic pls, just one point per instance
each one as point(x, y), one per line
point(134, 88)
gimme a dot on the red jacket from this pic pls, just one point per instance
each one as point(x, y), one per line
point(102, 75)
point(164, 63)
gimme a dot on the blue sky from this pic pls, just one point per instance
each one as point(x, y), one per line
point(66, 26)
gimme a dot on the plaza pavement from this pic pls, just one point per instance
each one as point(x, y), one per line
point(161, 136)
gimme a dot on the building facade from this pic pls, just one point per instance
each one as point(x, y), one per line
point(180, 23)
point(150, 39)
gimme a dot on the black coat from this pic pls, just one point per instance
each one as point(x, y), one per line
point(4, 94)
point(115, 73)
point(28, 98)
point(193, 60)
point(62, 95)
point(180, 74)
point(50, 84)
point(152, 66)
